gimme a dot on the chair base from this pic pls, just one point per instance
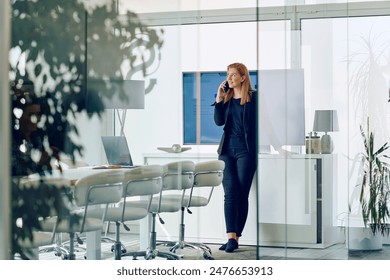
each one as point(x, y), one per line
point(181, 244)
point(152, 254)
point(207, 254)
point(61, 248)
point(106, 239)
point(120, 251)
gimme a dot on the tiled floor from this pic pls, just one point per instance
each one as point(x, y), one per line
point(335, 252)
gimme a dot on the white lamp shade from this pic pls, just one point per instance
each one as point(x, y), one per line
point(325, 121)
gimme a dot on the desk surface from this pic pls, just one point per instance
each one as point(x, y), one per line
point(207, 153)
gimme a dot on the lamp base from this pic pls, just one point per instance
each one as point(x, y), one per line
point(326, 144)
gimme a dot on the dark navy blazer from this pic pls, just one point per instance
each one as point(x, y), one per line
point(221, 111)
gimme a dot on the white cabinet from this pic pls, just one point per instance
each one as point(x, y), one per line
point(296, 200)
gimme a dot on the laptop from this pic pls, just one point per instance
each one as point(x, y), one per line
point(117, 151)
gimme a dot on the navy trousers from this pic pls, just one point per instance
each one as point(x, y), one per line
point(240, 168)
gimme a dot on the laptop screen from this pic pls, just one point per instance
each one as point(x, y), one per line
point(117, 150)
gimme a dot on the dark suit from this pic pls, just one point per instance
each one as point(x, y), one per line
point(240, 161)
point(221, 111)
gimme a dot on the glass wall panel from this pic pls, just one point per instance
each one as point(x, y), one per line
point(319, 75)
point(191, 49)
point(66, 68)
point(347, 63)
point(5, 139)
point(156, 6)
point(369, 113)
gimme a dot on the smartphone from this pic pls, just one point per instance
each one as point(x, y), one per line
point(226, 87)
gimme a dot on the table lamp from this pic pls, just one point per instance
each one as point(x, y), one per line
point(326, 121)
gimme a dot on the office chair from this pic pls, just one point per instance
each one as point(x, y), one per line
point(39, 238)
point(207, 174)
point(60, 245)
point(139, 183)
point(177, 177)
point(31, 247)
point(100, 190)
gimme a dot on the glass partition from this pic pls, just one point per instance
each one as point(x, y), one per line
point(350, 67)
point(321, 74)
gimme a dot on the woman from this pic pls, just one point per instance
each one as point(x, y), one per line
point(235, 109)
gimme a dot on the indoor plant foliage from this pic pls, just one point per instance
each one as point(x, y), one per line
point(58, 46)
point(375, 189)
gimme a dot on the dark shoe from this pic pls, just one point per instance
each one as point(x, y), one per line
point(223, 247)
point(231, 245)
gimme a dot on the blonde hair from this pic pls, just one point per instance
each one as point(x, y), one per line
point(246, 87)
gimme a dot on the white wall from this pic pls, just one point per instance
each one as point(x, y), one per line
point(329, 61)
point(160, 123)
point(196, 48)
point(90, 130)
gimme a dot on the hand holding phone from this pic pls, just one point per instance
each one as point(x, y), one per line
point(225, 87)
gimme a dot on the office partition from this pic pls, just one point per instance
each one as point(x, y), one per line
point(340, 47)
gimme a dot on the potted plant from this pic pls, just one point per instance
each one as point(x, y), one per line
point(375, 189)
point(374, 186)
